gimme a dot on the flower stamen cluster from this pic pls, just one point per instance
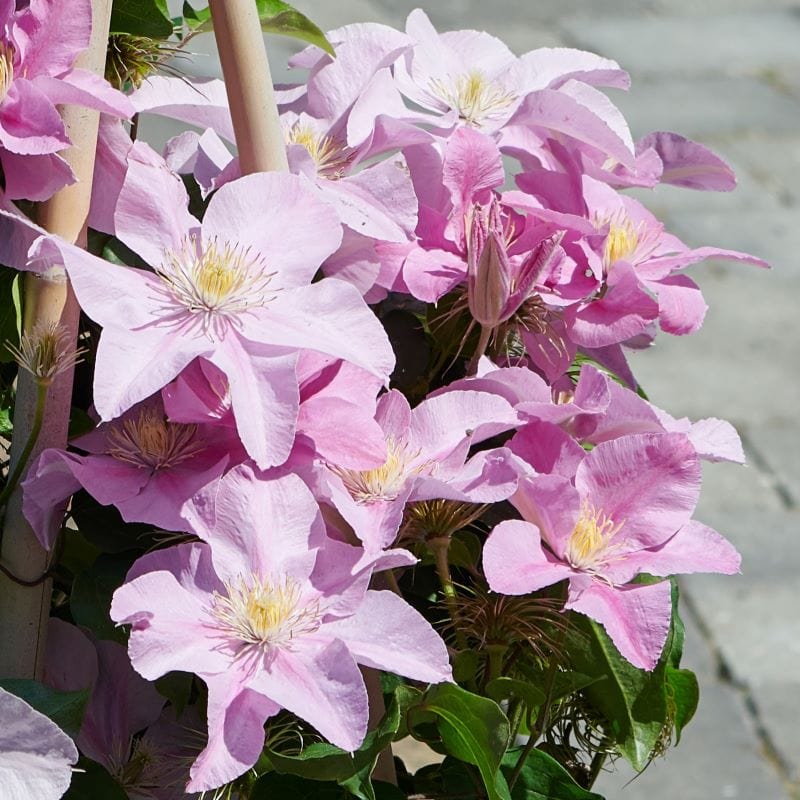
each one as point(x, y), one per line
point(475, 97)
point(149, 441)
point(384, 482)
point(260, 614)
point(217, 280)
point(627, 241)
point(330, 156)
point(6, 68)
point(590, 548)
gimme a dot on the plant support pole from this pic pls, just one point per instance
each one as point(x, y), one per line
point(48, 298)
point(248, 82)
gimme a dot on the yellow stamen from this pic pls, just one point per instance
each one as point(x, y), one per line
point(476, 98)
point(590, 546)
point(6, 68)
point(262, 614)
point(330, 156)
point(217, 281)
point(384, 482)
point(151, 442)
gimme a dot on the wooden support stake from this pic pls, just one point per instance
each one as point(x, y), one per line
point(259, 137)
point(24, 611)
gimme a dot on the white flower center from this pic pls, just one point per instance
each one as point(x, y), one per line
point(330, 156)
point(259, 615)
point(6, 68)
point(149, 441)
point(476, 98)
point(216, 282)
point(590, 547)
point(387, 481)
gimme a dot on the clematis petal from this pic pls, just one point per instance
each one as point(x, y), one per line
point(274, 214)
point(264, 397)
point(387, 633)
point(29, 122)
point(648, 482)
point(256, 525)
point(236, 717)
point(323, 686)
point(694, 548)
point(636, 618)
point(36, 756)
point(515, 562)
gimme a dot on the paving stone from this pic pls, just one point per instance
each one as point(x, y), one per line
point(778, 446)
point(753, 618)
point(735, 44)
point(706, 106)
point(774, 161)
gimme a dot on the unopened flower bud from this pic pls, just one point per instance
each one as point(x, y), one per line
point(488, 268)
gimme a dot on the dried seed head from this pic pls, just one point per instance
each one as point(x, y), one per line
point(131, 59)
point(433, 519)
point(46, 351)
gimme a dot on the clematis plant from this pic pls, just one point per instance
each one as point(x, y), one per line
point(355, 453)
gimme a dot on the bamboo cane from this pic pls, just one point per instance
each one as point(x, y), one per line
point(24, 610)
point(248, 81)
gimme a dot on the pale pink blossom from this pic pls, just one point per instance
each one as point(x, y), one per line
point(627, 510)
point(270, 615)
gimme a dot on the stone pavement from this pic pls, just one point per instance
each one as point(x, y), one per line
point(728, 73)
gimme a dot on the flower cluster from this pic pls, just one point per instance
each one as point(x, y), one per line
point(315, 379)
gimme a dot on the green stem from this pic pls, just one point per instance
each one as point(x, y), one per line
point(497, 654)
point(536, 730)
point(13, 480)
point(440, 548)
point(483, 343)
point(595, 767)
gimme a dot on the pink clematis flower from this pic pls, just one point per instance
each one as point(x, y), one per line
point(427, 458)
point(121, 705)
point(235, 290)
point(36, 756)
point(471, 77)
point(270, 615)
point(143, 463)
point(627, 511)
point(39, 43)
point(335, 418)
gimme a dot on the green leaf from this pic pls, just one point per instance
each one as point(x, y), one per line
point(683, 694)
point(10, 316)
point(91, 596)
point(6, 425)
point(141, 18)
point(473, 729)
point(66, 709)
point(634, 702)
point(177, 688)
point(195, 18)
point(543, 778)
point(324, 762)
point(104, 527)
point(93, 782)
point(509, 688)
point(279, 17)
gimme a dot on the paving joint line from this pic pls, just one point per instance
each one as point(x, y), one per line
point(773, 479)
point(726, 675)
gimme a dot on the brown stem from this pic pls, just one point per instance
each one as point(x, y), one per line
point(384, 768)
point(24, 610)
point(243, 55)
